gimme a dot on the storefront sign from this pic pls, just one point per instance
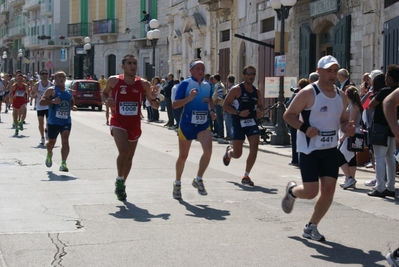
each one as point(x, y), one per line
point(322, 7)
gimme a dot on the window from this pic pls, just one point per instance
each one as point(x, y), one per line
point(225, 36)
point(267, 25)
point(198, 53)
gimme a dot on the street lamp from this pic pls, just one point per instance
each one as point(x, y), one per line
point(5, 61)
point(20, 55)
point(282, 8)
point(87, 48)
point(153, 35)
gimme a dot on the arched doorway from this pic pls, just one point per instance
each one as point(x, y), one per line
point(326, 41)
point(111, 65)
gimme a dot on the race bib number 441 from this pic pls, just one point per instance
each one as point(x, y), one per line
point(199, 117)
point(128, 108)
point(326, 139)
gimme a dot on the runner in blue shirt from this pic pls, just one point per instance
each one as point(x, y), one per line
point(194, 95)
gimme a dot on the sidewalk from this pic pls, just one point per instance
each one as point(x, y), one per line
point(282, 150)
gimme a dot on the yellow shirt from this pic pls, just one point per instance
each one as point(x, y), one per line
point(103, 83)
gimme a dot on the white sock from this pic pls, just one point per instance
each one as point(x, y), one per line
point(199, 178)
point(177, 182)
point(246, 174)
point(119, 178)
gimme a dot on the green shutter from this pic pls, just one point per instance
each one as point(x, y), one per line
point(154, 9)
point(341, 42)
point(110, 9)
point(84, 11)
point(307, 53)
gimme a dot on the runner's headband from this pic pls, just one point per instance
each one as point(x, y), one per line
point(195, 63)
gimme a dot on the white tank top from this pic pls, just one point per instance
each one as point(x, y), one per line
point(325, 115)
point(40, 92)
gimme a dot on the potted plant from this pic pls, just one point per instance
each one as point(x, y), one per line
point(50, 42)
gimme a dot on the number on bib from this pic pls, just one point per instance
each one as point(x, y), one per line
point(199, 117)
point(326, 139)
point(128, 108)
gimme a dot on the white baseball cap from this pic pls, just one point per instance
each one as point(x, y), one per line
point(374, 74)
point(326, 62)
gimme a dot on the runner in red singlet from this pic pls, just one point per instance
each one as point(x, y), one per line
point(19, 92)
point(124, 94)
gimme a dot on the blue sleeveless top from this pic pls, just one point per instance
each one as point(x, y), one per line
point(60, 114)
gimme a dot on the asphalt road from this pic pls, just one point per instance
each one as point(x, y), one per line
point(49, 218)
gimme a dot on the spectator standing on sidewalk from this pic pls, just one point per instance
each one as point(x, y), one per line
point(302, 83)
point(228, 116)
point(218, 99)
point(385, 167)
point(322, 110)
point(390, 108)
point(176, 111)
point(167, 91)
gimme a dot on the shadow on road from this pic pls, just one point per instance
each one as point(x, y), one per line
point(254, 188)
point(52, 177)
point(131, 211)
point(340, 254)
point(203, 211)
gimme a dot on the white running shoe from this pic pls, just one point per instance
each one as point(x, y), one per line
point(42, 141)
point(351, 182)
point(311, 232)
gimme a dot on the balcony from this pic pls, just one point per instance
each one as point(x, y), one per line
point(14, 3)
point(4, 8)
point(31, 5)
point(216, 5)
point(31, 41)
point(105, 28)
point(78, 31)
point(46, 8)
point(16, 32)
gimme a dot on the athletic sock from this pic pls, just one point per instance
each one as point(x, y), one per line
point(177, 182)
point(119, 178)
point(246, 174)
point(199, 178)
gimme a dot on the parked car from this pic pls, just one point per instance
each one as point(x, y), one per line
point(87, 93)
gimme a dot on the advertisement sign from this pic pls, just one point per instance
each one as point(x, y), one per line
point(272, 86)
point(279, 66)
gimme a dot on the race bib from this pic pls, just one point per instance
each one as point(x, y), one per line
point(19, 93)
point(61, 114)
point(128, 108)
point(199, 117)
point(247, 122)
point(326, 139)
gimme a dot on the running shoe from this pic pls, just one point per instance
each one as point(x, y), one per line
point(369, 165)
point(42, 140)
point(20, 126)
point(350, 183)
point(342, 185)
point(63, 167)
point(12, 126)
point(176, 191)
point(6, 110)
point(16, 132)
point(120, 190)
point(393, 258)
point(49, 162)
point(200, 186)
point(226, 158)
point(311, 232)
point(371, 183)
point(288, 201)
point(247, 180)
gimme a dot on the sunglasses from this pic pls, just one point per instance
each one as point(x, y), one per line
point(250, 73)
point(44, 73)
